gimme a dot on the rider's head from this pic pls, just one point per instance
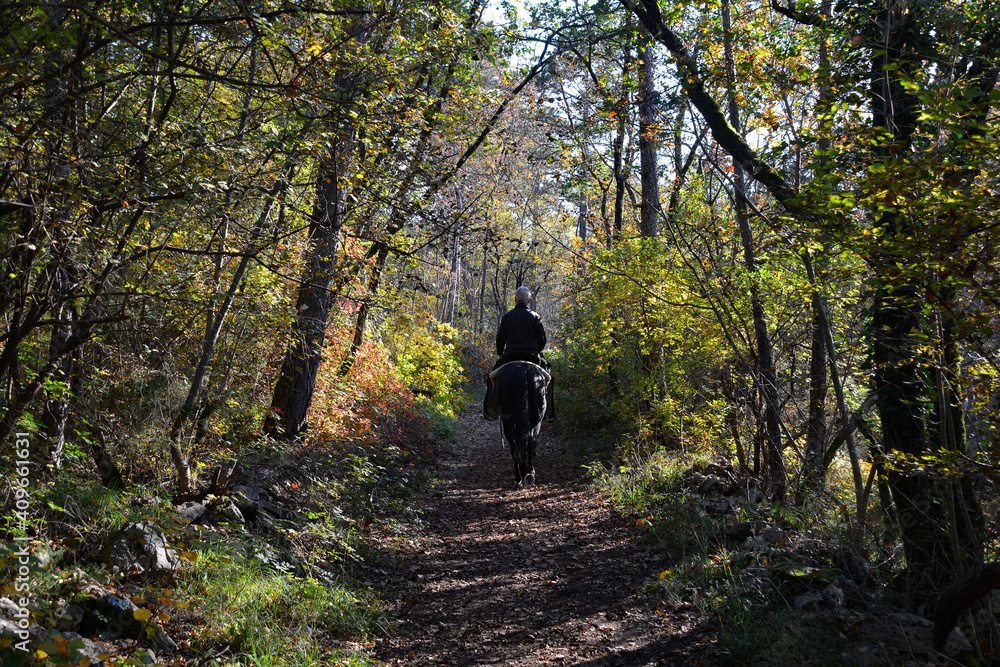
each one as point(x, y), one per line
point(522, 295)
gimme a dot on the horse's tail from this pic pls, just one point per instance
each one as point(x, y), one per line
point(522, 405)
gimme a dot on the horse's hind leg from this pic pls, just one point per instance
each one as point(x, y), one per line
point(517, 465)
point(528, 469)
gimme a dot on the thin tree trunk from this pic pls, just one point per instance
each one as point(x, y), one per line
point(362, 319)
point(618, 148)
point(57, 408)
point(482, 285)
point(215, 320)
point(766, 376)
point(861, 497)
point(218, 320)
point(813, 470)
point(650, 204)
point(455, 271)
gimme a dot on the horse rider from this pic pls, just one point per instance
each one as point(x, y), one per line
point(520, 337)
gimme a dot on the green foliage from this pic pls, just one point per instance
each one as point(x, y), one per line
point(428, 362)
point(631, 352)
point(273, 618)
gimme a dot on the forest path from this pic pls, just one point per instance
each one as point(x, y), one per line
point(530, 576)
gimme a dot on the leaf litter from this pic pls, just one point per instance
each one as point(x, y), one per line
point(545, 575)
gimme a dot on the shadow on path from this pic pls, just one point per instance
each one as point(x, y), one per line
point(536, 576)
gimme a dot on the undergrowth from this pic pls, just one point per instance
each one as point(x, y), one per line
point(758, 625)
point(271, 617)
point(285, 591)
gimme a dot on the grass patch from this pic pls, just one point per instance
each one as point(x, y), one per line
point(268, 617)
point(738, 584)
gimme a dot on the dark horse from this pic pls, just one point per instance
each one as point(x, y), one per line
point(520, 391)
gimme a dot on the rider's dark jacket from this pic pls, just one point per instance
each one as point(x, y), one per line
point(521, 335)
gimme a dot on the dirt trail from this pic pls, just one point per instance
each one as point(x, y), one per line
point(507, 576)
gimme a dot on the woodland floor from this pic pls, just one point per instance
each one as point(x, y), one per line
point(501, 575)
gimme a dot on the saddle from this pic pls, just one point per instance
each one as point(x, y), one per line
point(548, 376)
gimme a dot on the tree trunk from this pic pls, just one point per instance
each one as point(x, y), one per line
point(57, 407)
point(455, 271)
point(650, 205)
point(217, 319)
point(898, 330)
point(813, 470)
point(297, 379)
point(766, 375)
point(362, 319)
point(482, 285)
point(618, 149)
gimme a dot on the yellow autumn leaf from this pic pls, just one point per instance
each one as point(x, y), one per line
point(142, 614)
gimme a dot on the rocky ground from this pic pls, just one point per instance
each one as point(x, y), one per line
point(531, 576)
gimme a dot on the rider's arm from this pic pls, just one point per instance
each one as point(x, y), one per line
point(502, 333)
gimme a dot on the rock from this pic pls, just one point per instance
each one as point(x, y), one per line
point(81, 647)
point(252, 494)
point(717, 505)
point(278, 511)
point(164, 644)
point(853, 566)
point(110, 617)
point(692, 479)
point(956, 644)
point(773, 535)
point(140, 548)
point(250, 509)
point(8, 628)
point(709, 484)
point(849, 586)
point(191, 511)
point(912, 634)
point(8, 609)
point(859, 569)
point(146, 656)
point(94, 589)
point(750, 496)
point(68, 616)
point(799, 577)
point(834, 597)
point(746, 529)
point(811, 601)
point(904, 618)
point(227, 509)
point(11, 628)
point(41, 556)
